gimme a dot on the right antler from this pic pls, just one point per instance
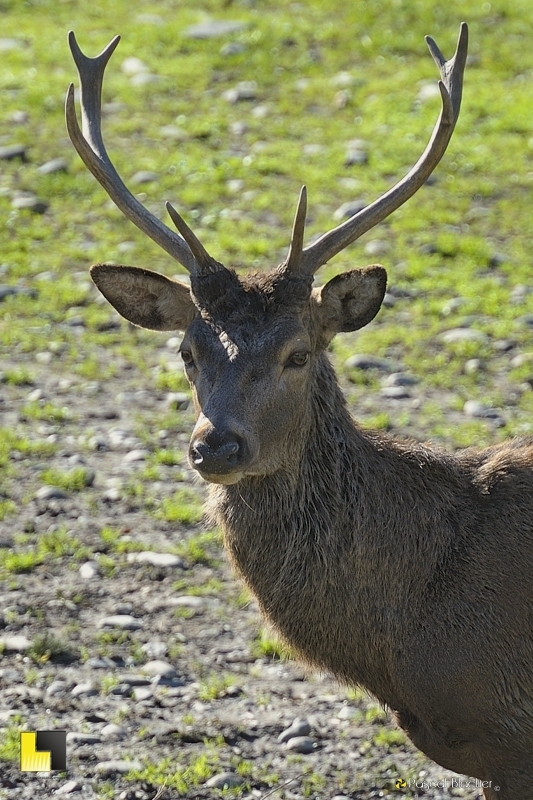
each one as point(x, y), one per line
point(308, 260)
point(90, 146)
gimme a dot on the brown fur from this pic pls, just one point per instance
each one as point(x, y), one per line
point(396, 566)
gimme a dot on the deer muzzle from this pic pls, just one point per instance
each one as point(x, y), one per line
point(219, 454)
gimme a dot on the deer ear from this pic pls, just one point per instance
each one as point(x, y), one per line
point(350, 300)
point(145, 298)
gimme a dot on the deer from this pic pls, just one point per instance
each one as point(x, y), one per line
point(396, 566)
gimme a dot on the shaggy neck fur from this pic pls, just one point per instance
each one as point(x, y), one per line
point(334, 521)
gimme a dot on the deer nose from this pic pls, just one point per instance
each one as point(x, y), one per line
point(217, 453)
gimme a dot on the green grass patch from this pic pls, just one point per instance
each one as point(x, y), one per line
point(184, 506)
point(10, 741)
point(32, 551)
point(203, 547)
point(117, 542)
point(72, 480)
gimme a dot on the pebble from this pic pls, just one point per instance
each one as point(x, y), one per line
point(399, 379)
point(30, 202)
point(144, 176)
point(503, 345)
point(474, 408)
point(174, 132)
point(157, 559)
point(144, 79)
point(364, 361)
point(86, 689)
point(377, 247)
point(133, 66)
point(179, 401)
point(224, 780)
point(136, 455)
point(69, 788)
point(54, 165)
point(83, 738)
point(11, 151)
point(473, 365)
point(121, 689)
point(97, 662)
point(132, 679)
point(299, 727)
point(232, 49)
point(189, 601)
point(56, 687)
point(427, 92)
point(301, 744)
point(17, 117)
point(526, 319)
point(463, 335)
point(245, 90)
point(124, 621)
point(521, 359)
point(112, 495)
point(395, 392)
point(355, 157)
point(118, 767)
point(9, 675)
point(157, 667)
point(12, 291)
point(89, 570)
point(211, 28)
point(7, 44)
point(112, 732)
point(154, 649)
point(346, 712)
point(142, 693)
point(18, 643)
point(348, 210)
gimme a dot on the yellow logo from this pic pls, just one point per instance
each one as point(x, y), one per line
point(400, 783)
point(43, 751)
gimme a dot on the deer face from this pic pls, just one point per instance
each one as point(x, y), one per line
point(251, 344)
point(250, 351)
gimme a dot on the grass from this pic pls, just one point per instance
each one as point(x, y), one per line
point(47, 647)
point(200, 548)
point(215, 686)
point(467, 236)
point(184, 506)
point(30, 552)
point(461, 248)
point(268, 645)
point(181, 778)
point(72, 481)
point(115, 542)
point(10, 741)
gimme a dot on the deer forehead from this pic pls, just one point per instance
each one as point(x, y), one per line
point(256, 341)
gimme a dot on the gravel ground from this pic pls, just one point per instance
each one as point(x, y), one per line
point(159, 656)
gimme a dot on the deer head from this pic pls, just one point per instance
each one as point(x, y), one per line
point(254, 345)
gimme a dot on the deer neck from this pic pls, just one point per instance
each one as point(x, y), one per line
point(336, 543)
point(288, 534)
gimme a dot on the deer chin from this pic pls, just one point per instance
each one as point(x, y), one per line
point(224, 479)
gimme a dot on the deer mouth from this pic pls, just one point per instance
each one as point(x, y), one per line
point(221, 479)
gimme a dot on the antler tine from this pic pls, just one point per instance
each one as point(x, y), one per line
point(451, 85)
point(294, 258)
point(90, 146)
point(205, 262)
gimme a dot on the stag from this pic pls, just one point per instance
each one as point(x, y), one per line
point(396, 566)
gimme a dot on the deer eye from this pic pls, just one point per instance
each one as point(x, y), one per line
point(298, 359)
point(186, 357)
